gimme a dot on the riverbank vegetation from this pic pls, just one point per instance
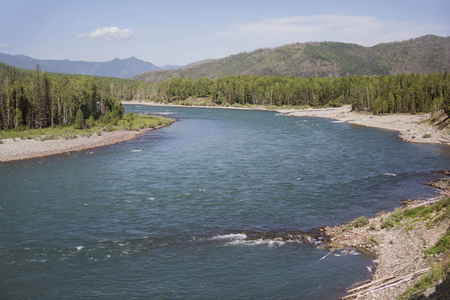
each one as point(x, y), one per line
point(403, 93)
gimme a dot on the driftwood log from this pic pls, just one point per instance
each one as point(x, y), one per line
point(382, 284)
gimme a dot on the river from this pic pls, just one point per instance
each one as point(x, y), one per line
point(163, 216)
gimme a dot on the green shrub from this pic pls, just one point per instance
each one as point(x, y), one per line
point(129, 117)
point(334, 103)
point(426, 135)
point(397, 215)
point(388, 224)
point(361, 221)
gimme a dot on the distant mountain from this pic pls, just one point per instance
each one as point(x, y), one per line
point(121, 68)
point(422, 55)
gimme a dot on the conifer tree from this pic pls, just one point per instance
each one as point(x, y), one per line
point(40, 120)
point(79, 120)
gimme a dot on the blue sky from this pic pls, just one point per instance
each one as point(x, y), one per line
point(181, 32)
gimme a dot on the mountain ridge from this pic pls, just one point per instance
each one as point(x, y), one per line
point(121, 68)
point(426, 54)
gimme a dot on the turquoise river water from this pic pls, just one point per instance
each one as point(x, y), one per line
point(164, 216)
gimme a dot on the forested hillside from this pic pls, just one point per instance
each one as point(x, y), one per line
point(424, 55)
point(35, 99)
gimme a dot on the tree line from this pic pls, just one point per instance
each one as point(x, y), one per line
point(35, 99)
point(403, 93)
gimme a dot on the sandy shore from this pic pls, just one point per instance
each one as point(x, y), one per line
point(17, 149)
point(407, 125)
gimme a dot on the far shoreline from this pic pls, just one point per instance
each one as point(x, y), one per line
point(411, 128)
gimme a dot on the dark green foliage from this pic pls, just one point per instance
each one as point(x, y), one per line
point(387, 224)
point(39, 99)
point(381, 94)
point(90, 122)
point(79, 120)
point(358, 222)
point(397, 215)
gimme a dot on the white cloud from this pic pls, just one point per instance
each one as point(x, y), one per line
point(363, 30)
point(4, 45)
point(109, 33)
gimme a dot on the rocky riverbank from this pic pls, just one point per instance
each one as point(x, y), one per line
point(398, 239)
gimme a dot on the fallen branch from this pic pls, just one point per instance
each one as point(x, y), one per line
point(382, 283)
point(362, 287)
point(396, 282)
point(325, 255)
point(407, 265)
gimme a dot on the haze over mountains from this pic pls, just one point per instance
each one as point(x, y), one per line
point(422, 55)
point(121, 68)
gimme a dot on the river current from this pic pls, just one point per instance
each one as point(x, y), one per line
point(164, 216)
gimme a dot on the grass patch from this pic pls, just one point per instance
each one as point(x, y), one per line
point(425, 213)
point(426, 136)
point(358, 222)
point(129, 122)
